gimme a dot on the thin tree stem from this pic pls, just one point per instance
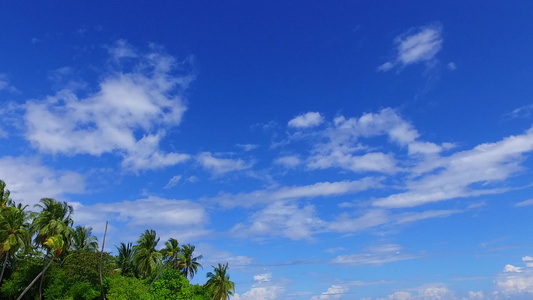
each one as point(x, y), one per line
point(158, 274)
point(4, 267)
point(101, 260)
point(35, 280)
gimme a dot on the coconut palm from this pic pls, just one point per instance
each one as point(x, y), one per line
point(171, 253)
point(188, 263)
point(146, 256)
point(5, 200)
point(125, 258)
point(55, 245)
point(219, 284)
point(82, 239)
point(14, 233)
point(54, 219)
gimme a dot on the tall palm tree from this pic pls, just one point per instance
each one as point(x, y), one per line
point(82, 239)
point(54, 219)
point(146, 256)
point(55, 245)
point(188, 263)
point(125, 258)
point(14, 233)
point(171, 254)
point(219, 283)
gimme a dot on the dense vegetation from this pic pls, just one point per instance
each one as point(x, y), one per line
point(44, 257)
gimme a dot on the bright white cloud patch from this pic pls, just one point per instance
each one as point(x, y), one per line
point(290, 161)
point(127, 115)
point(415, 46)
point(29, 181)
point(262, 289)
point(310, 119)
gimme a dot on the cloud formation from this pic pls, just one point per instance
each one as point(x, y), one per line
point(417, 45)
point(127, 115)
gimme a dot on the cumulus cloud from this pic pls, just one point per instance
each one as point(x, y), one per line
point(262, 289)
point(127, 115)
point(310, 119)
point(29, 180)
point(417, 45)
point(219, 166)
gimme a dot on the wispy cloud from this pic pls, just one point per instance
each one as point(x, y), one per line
point(219, 166)
point(417, 45)
point(173, 181)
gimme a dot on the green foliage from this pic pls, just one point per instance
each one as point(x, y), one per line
point(219, 283)
point(82, 266)
point(127, 288)
point(172, 285)
point(146, 257)
point(26, 269)
point(84, 240)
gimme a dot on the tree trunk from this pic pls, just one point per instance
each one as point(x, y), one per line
point(35, 280)
point(4, 267)
point(101, 260)
point(158, 274)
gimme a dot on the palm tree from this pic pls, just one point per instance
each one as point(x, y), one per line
point(84, 240)
point(4, 196)
point(54, 219)
point(187, 262)
point(171, 254)
point(125, 258)
point(14, 233)
point(54, 244)
point(219, 283)
point(146, 257)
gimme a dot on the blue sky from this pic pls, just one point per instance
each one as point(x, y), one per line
point(377, 150)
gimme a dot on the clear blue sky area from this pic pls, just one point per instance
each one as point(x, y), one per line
point(325, 150)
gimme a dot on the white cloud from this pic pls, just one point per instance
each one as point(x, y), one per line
point(29, 180)
point(524, 203)
point(423, 293)
point(375, 256)
point(345, 223)
point(263, 277)
point(334, 292)
point(213, 256)
point(451, 66)
point(451, 177)
point(262, 289)
point(415, 46)
point(290, 161)
point(521, 112)
point(173, 181)
point(512, 269)
point(181, 219)
point(219, 166)
point(310, 119)
point(121, 49)
point(319, 189)
point(127, 115)
point(281, 219)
